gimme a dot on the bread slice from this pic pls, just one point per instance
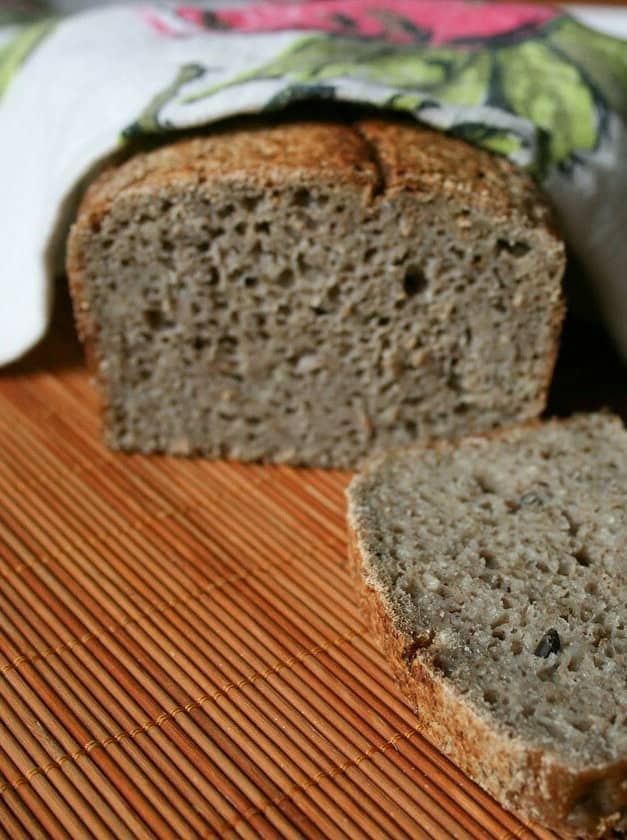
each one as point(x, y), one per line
point(494, 572)
point(313, 291)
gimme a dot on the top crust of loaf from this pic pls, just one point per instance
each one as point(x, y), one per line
point(573, 796)
point(256, 156)
point(379, 156)
point(426, 162)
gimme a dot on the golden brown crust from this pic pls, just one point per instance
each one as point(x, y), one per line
point(318, 152)
point(556, 330)
point(408, 157)
point(523, 779)
point(432, 164)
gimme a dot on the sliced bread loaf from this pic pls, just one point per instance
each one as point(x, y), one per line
point(494, 571)
point(315, 291)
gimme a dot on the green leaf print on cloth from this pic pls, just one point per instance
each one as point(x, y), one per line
point(601, 59)
point(551, 93)
point(552, 83)
point(149, 120)
point(318, 58)
point(16, 12)
point(16, 51)
point(500, 141)
point(469, 84)
point(454, 75)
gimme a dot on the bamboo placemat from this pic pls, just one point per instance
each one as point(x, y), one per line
point(180, 649)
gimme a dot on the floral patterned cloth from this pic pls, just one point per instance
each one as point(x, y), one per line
point(525, 81)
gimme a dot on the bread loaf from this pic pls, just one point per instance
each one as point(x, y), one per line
point(494, 571)
point(314, 291)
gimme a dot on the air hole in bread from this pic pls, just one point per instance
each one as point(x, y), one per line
point(414, 281)
point(516, 249)
point(583, 557)
point(302, 198)
point(490, 696)
point(227, 344)
point(286, 279)
point(442, 663)
point(489, 560)
point(250, 202)
point(156, 320)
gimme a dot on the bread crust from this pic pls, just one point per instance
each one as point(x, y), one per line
point(529, 781)
point(429, 163)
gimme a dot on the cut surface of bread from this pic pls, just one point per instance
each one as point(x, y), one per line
point(314, 291)
point(494, 571)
